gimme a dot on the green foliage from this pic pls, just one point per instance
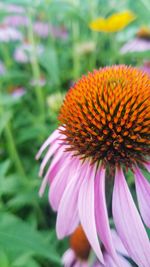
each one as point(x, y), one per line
point(27, 223)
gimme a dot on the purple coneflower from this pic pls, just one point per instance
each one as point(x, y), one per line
point(11, 8)
point(23, 52)
point(139, 44)
point(41, 82)
point(136, 45)
point(16, 20)
point(8, 34)
point(18, 92)
point(104, 131)
point(41, 29)
point(146, 67)
point(79, 253)
point(58, 32)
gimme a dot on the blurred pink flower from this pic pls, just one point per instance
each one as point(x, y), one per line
point(8, 34)
point(16, 20)
point(58, 32)
point(41, 29)
point(146, 67)
point(41, 82)
point(12, 8)
point(18, 92)
point(135, 45)
point(44, 29)
point(23, 53)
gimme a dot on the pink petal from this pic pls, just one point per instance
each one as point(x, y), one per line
point(143, 195)
point(60, 182)
point(119, 247)
point(57, 161)
point(87, 211)
point(128, 222)
point(68, 218)
point(48, 155)
point(68, 258)
point(54, 167)
point(84, 264)
point(110, 263)
point(101, 214)
point(55, 135)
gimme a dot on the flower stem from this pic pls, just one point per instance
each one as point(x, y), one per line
point(36, 70)
point(76, 57)
point(11, 146)
point(13, 151)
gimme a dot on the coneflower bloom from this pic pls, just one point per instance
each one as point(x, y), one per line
point(104, 131)
point(138, 44)
point(79, 253)
point(146, 67)
point(9, 34)
point(23, 52)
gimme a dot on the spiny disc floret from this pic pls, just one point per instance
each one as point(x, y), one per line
point(106, 116)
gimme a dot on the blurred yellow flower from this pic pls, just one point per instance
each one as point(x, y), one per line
point(114, 23)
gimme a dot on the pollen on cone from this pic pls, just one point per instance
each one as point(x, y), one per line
point(107, 116)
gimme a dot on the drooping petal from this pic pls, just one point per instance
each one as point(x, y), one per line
point(128, 222)
point(68, 217)
point(101, 214)
point(54, 167)
point(55, 135)
point(143, 195)
point(53, 148)
point(68, 258)
point(60, 182)
point(87, 211)
point(119, 247)
point(110, 263)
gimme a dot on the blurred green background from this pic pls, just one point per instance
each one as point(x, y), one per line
point(45, 46)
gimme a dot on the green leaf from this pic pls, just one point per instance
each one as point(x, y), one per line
point(25, 260)
point(4, 119)
point(49, 61)
point(4, 262)
point(17, 237)
point(4, 167)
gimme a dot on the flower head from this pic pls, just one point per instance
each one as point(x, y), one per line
point(114, 23)
point(104, 130)
point(106, 117)
point(79, 249)
point(41, 29)
point(8, 34)
point(23, 52)
point(16, 20)
point(146, 67)
point(138, 44)
point(79, 253)
point(17, 92)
